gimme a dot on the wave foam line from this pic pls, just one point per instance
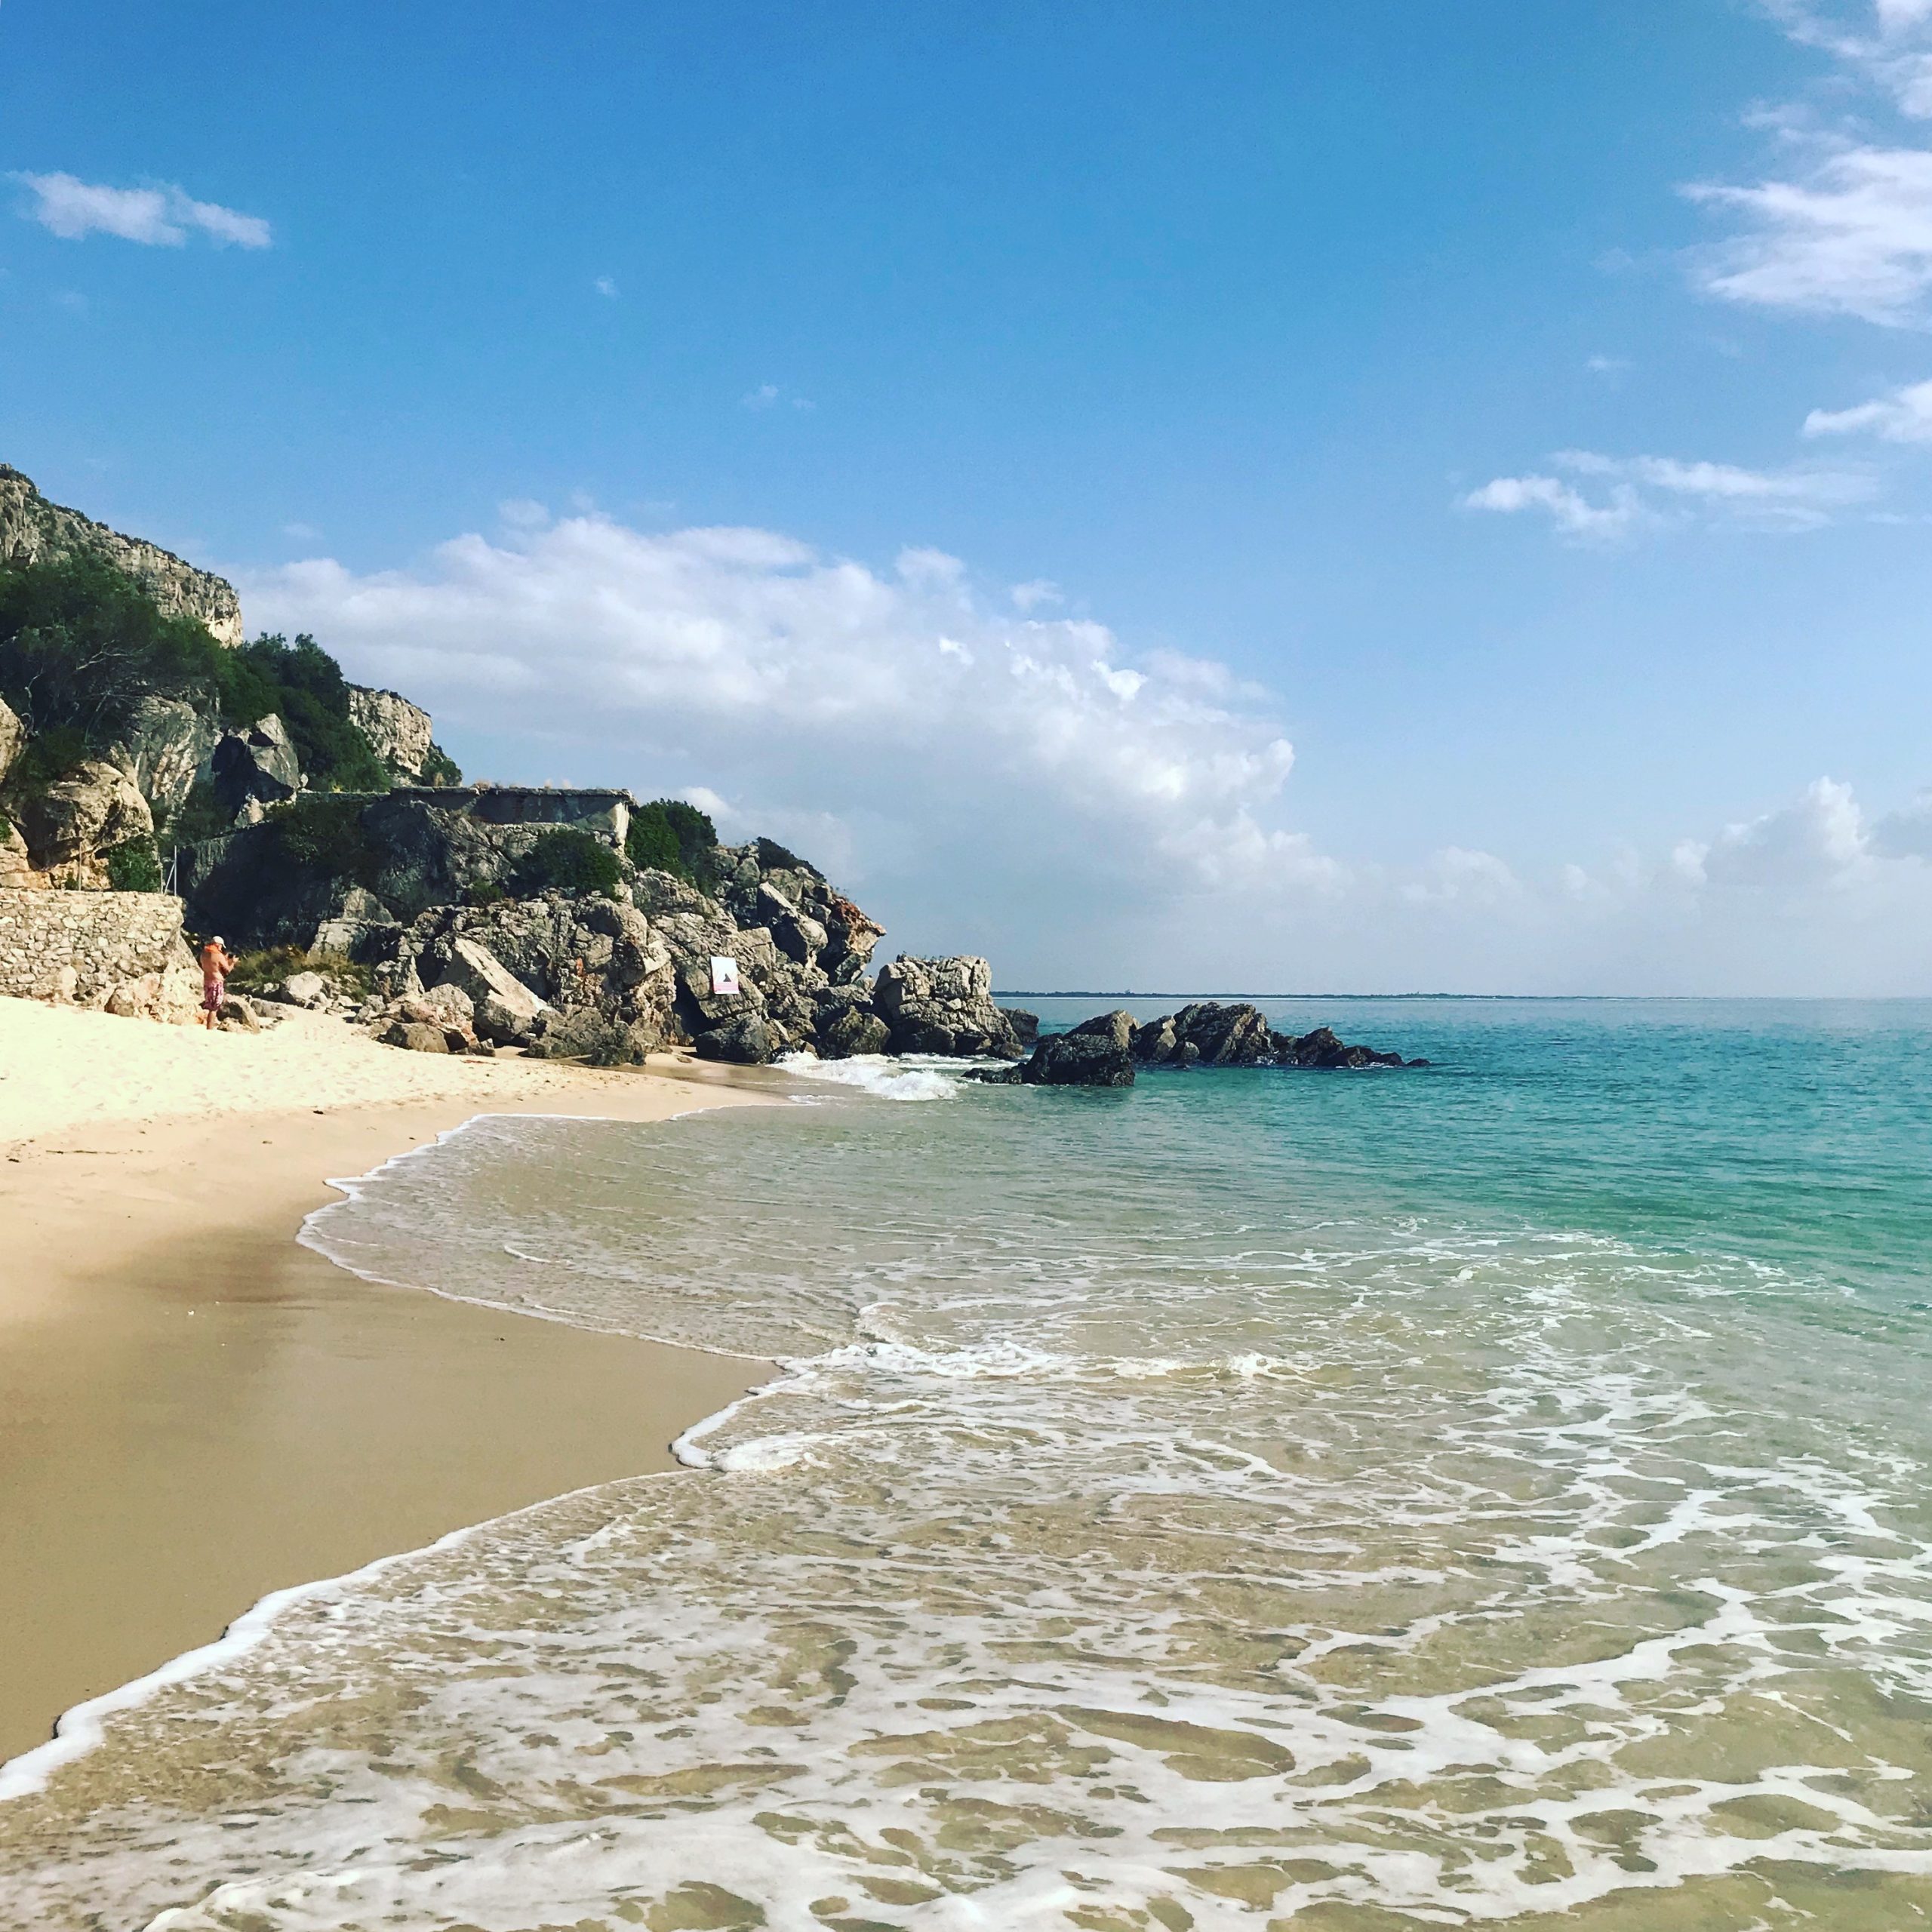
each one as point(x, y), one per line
point(876, 1074)
point(81, 1729)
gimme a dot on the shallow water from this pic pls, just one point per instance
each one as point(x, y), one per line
point(1500, 1494)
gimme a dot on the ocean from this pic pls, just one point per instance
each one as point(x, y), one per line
point(1494, 1494)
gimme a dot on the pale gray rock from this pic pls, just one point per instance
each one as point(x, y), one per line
point(13, 737)
point(942, 1006)
point(305, 989)
point(92, 810)
point(502, 1009)
point(399, 733)
point(164, 743)
point(255, 765)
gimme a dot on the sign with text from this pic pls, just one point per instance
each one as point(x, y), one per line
point(724, 977)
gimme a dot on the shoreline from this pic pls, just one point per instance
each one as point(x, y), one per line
point(199, 1411)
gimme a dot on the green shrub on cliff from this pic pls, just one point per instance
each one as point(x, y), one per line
point(134, 867)
point(79, 644)
point(305, 688)
point(565, 860)
point(324, 836)
point(667, 835)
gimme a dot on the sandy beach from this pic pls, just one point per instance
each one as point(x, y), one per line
point(194, 1409)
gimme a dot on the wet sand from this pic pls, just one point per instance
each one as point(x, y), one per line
point(195, 1410)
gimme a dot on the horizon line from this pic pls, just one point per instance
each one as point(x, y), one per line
point(1081, 993)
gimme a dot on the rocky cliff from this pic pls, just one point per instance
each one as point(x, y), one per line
point(298, 811)
point(33, 530)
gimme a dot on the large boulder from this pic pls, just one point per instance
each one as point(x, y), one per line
point(943, 1006)
point(1080, 1059)
point(505, 1011)
point(582, 1033)
point(1321, 1048)
point(417, 1036)
point(254, 765)
point(744, 1039)
point(96, 806)
point(847, 1025)
point(1025, 1026)
point(162, 746)
point(15, 862)
point(399, 733)
point(1218, 1035)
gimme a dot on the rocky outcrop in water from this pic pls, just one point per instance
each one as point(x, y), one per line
point(943, 1006)
point(33, 530)
point(1209, 1033)
point(1104, 1051)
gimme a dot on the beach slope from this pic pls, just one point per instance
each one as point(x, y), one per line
point(194, 1409)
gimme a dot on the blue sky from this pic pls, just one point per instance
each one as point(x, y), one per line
point(678, 396)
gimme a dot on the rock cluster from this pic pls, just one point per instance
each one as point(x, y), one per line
point(585, 976)
point(1105, 1051)
point(1209, 1034)
point(945, 1006)
point(67, 824)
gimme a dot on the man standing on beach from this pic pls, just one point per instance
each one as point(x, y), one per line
point(215, 967)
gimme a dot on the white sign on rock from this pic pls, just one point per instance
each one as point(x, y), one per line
point(724, 977)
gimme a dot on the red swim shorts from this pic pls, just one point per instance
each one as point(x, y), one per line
point(211, 995)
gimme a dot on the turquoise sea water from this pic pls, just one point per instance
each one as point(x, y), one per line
point(1497, 1494)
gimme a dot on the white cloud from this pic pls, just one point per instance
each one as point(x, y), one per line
point(1042, 593)
point(1903, 416)
point(1455, 875)
point(163, 216)
point(769, 395)
point(606, 287)
point(946, 738)
point(1819, 840)
point(1905, 833)
point(1851, 235)
point(1649, 490)
point(1571, 512)
point(985, 780)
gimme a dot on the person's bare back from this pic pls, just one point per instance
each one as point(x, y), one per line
point(215, 967)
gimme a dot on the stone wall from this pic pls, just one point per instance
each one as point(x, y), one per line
point(122, 950)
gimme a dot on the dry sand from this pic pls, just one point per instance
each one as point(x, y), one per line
point(194, 1409)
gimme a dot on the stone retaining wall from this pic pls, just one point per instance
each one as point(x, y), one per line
point(122, 950)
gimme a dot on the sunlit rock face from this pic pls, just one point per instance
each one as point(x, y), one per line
point(33, 530)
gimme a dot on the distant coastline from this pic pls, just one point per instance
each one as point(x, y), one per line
point(1547, 999)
